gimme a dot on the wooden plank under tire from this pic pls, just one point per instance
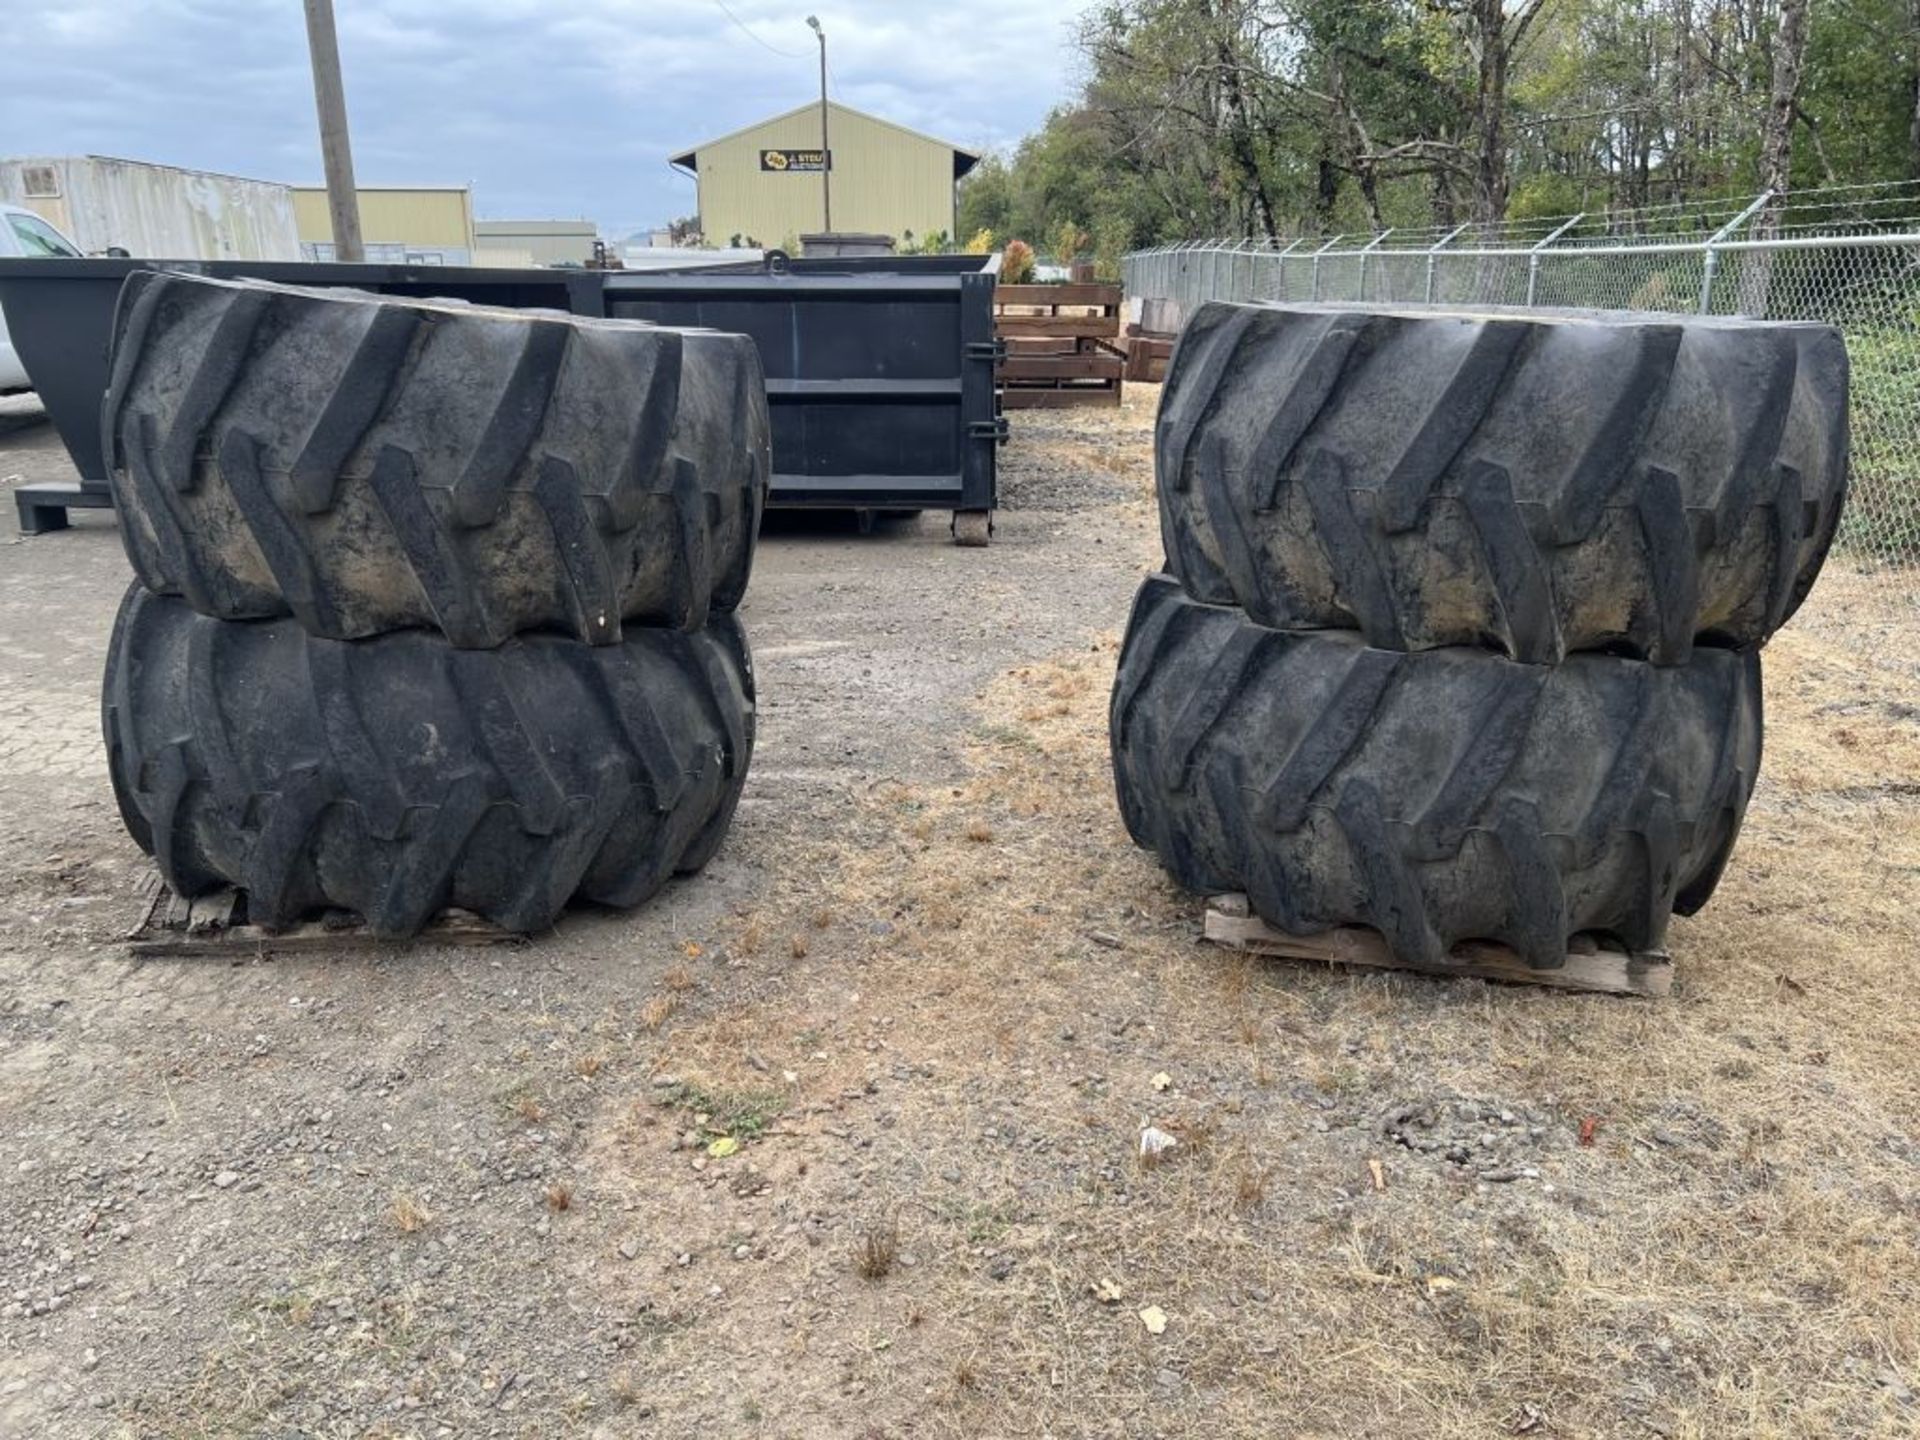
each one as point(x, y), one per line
point(1590, 967)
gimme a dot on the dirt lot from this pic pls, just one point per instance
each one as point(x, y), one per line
point(926, 998)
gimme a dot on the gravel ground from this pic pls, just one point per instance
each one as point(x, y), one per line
point(841, 1137)
point(189, 1145)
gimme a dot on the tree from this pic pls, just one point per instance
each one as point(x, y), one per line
point(1276, 118)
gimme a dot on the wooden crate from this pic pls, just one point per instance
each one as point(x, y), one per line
point(1147, 355)
point(1062, 345)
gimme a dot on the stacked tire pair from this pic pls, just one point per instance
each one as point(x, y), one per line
point(434, 602)
point(1460, 634)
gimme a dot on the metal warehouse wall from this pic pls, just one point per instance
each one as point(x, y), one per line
point(429, 219)
point(541, 242)
point(155, 211)
point(885, 180)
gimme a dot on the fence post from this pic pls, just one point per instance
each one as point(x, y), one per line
point(1434, 250)
point(1712, 261)
point(1363, 261)
point(1533, 255)
point(1316, 262)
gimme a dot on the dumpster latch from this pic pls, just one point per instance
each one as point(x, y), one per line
point(994, 350)
point(995, 429)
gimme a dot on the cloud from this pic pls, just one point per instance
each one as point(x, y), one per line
point(547, 109)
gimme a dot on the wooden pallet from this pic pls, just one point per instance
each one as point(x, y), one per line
point(1590, 967)
point(216, 924)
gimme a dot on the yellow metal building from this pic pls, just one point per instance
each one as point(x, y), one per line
point(430, 225)
point(763, 183)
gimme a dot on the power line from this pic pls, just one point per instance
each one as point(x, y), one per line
point(789, 54)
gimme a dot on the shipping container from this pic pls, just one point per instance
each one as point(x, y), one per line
point(155, 211)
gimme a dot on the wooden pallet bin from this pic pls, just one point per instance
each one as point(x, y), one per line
point(1062, 345)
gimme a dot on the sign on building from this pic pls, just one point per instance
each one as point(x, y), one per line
point(796, 160)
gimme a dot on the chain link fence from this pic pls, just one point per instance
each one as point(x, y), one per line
point(1843, 262)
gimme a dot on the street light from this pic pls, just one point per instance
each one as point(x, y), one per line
point(826, 155)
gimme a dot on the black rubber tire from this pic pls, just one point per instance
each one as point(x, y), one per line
point(397, 776)
point(1535, 482)
point(1437, 797)
point(367, 464)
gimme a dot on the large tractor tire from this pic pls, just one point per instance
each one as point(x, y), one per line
point(1535, 482)
point(368, 464)
point(398, 776)
point(1437, 797)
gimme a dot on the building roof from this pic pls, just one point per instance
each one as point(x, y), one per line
point(963, 158)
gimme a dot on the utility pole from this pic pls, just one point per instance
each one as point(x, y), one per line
point(336, 155)
point(826, 155)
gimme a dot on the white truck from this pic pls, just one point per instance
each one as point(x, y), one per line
point(24, 234)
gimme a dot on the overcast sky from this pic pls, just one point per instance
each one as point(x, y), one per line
point(549, 108)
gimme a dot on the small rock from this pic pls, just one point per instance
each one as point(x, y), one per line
point(226, 1179)
point(629, 1249)
point(1001, 1266)
point(741, 1252)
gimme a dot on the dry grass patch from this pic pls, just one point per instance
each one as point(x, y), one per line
point(1736, 1251)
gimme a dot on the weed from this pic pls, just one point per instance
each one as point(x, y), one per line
point(1249, 1190)
point(409, 1215)
point(588, 1066)
point(1009, 735)
point(822, 919)
point(520, 1103)
point(656, 1012)
point(559, 1196)
point(625, 1385)
point(798, 946)
point(298, 1307)
point(879, 1247)
point(979, 832)
point(679, 979)
point(743, 1114)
